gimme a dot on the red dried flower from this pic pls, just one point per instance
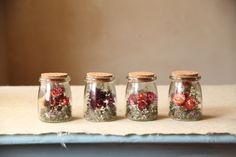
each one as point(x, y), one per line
point(52, 101)
point(100, 98)
point(132, 99)
point(64, 101)
point(142, 100)
point(57, 92)
point(190, 103)
point(178, 99)
point(151, 97)
point(142, 96)
point(142, 104)
point(99, 103)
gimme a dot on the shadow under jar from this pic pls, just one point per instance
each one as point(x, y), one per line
point(141, 96)
point(54, 98)
point(185, 96)
point(100, 97)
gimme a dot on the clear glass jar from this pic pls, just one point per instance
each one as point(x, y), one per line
point(141, 96)
point(100, 97)
point(54, 98)
point(185, 96)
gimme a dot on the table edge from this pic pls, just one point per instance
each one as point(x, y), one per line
point(96, 138)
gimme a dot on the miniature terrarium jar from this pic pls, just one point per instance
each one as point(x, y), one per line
point(54, 98)
point(141, 96)
point(185, 96)
point(100, 97)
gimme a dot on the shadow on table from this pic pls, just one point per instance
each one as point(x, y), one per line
point(120, 117)
point(206, 117)
point(160, 117)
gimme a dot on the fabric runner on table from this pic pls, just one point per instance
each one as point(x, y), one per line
point(18, 107)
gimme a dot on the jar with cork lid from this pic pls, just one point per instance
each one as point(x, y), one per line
point(185, 96)
point(141, 96)
point(54, 97)
point(100, 97)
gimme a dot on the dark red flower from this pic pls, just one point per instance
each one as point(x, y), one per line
point(99, 103)
point(111, 99)
point(190, 103)
point(99, 98)
point(57, 92)
point(178, 99)
point(64, 101)
point(151, 97)
point(53, 101)
point(142, 104)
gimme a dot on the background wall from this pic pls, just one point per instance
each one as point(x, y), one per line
point(3, 52)
point(119, 36)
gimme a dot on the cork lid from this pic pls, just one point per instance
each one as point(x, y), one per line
point(99, 76)
point(54, 76)
point(184, 74)
point(142, 75)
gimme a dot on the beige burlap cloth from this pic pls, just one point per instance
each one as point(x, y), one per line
point(18, 114)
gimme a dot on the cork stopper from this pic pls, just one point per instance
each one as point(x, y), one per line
point(184, 74)
point(99, 76)
point(54, 76)
point(142, 76)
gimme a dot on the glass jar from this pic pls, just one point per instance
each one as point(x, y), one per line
point(54, 97)
point(141, 96)
point(100, 97)
point(185, 96)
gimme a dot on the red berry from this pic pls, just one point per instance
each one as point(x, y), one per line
point(64, 101)
point(178, 99)
point(190, 103)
